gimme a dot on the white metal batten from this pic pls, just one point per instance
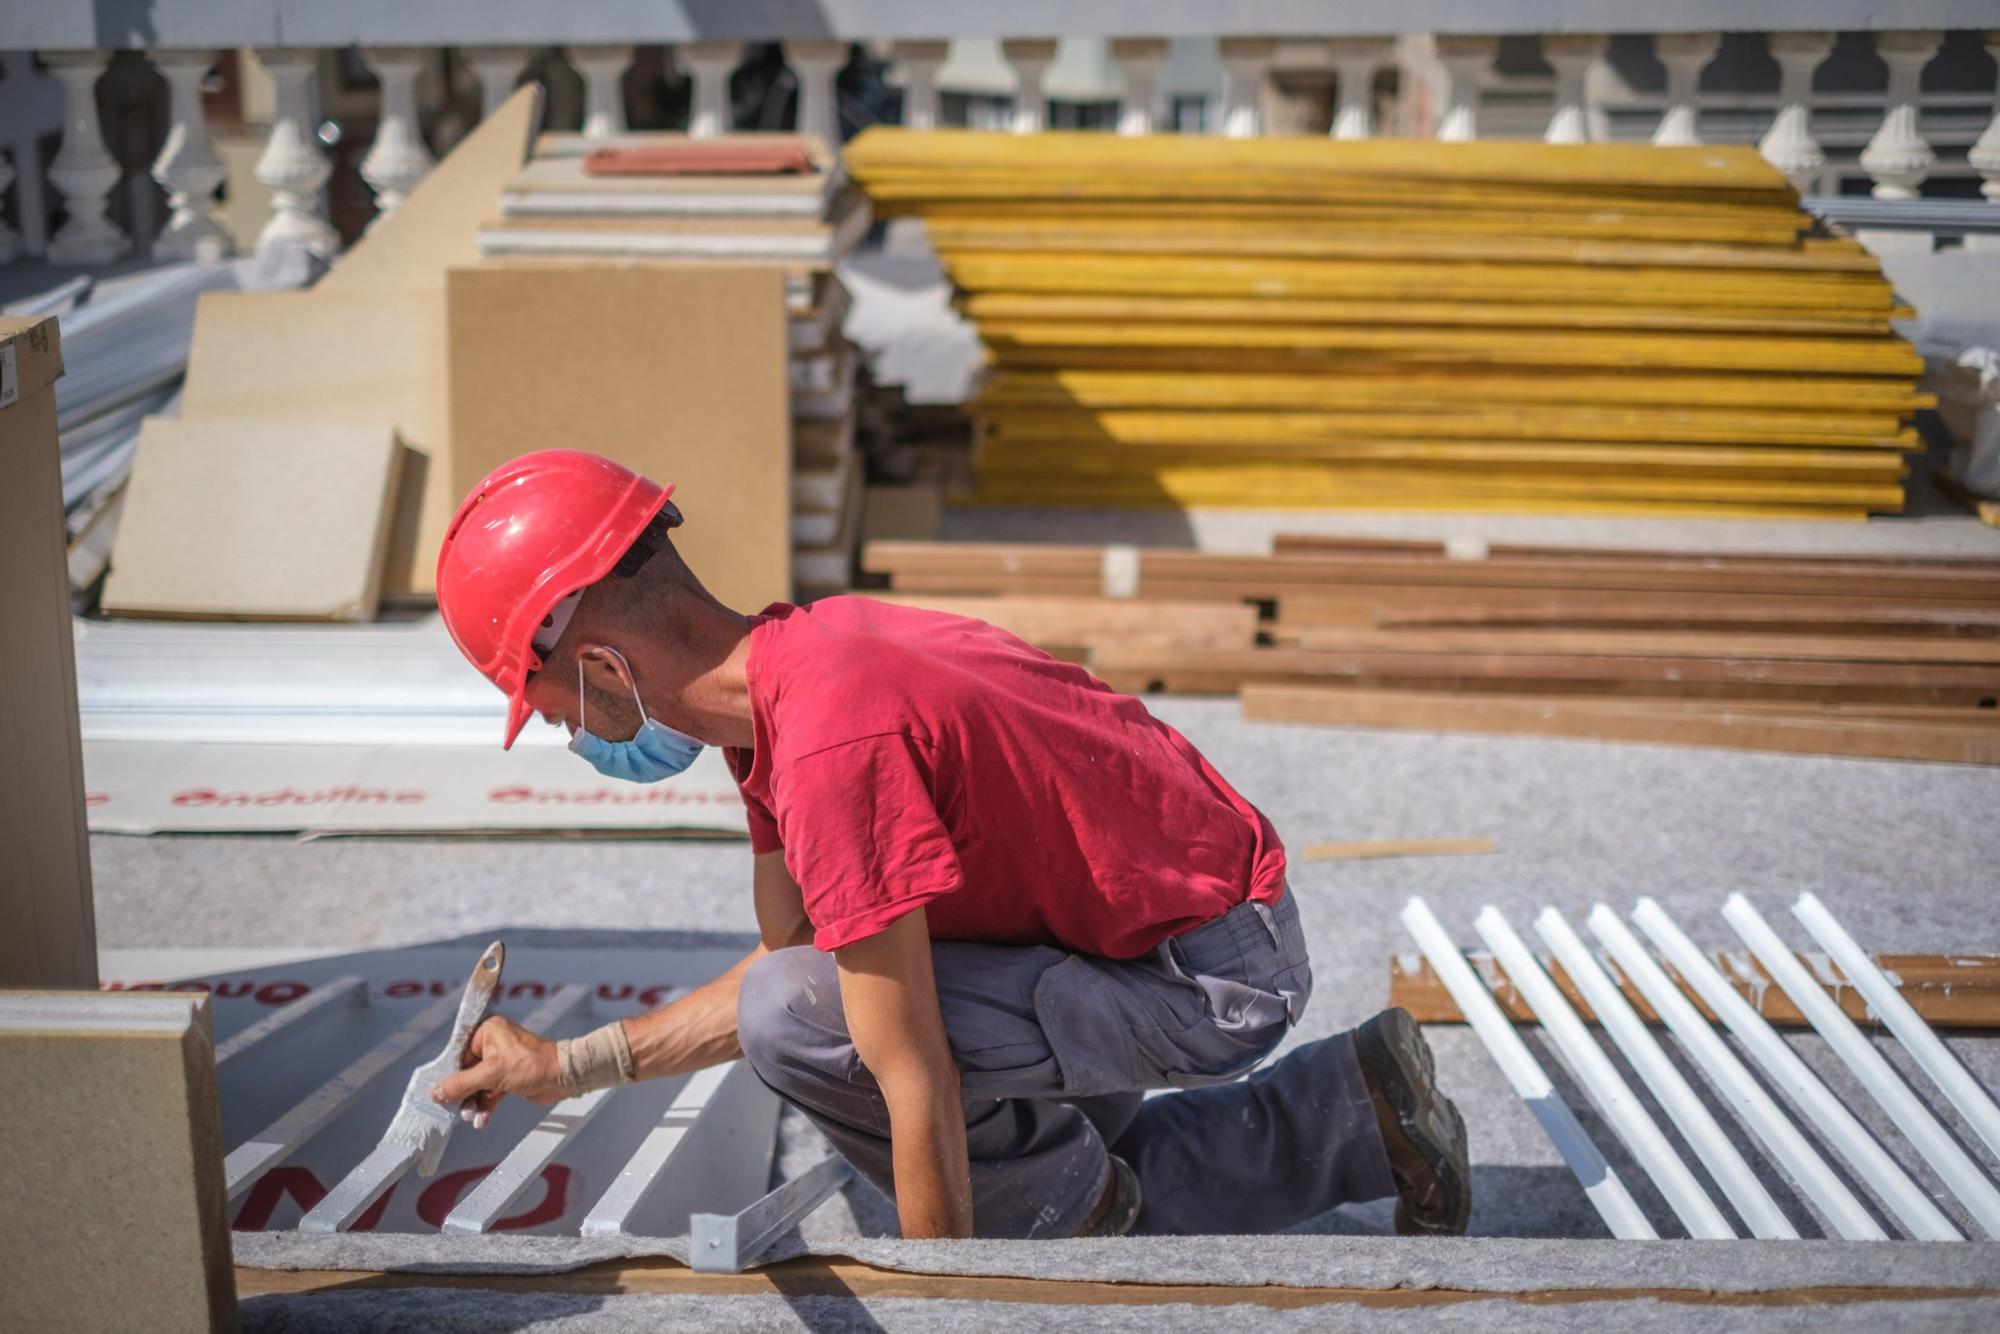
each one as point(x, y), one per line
point(269, 1146)
point(388, 1161)
point(486, 1202)
point(731, 1243)
point(1798, 1083)
point(1728, 1075)
point(1952, 1164)
point(1601, 1080)
point(351, 989)
point(643, 1170)
point(1902, 1019)
point(1682, 1105)
point(1601, 1185)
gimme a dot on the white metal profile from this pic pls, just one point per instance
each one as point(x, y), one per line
point(1760, 1213)
point(1952, 1164)
point(1601, 1080)
point(1812, 1097)
point(1601, 1184)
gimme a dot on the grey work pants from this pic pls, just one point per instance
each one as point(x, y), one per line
point(1055, 1051)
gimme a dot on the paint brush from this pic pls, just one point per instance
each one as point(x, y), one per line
point(420, 1124)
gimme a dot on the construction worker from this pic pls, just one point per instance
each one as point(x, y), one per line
point(997, 901)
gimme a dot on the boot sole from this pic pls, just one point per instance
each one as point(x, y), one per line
point(1428, 1120)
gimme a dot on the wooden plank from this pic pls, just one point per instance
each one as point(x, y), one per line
point(1401, 847)
point(1689, 722)
point(1523, 608)
point(1948, 990)
point(1648, 642)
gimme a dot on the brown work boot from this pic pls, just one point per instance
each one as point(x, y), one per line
point(1421, 1129)
point(1118, 1208)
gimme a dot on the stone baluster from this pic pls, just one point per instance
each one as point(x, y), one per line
point(1789, 144)
point(1140, 60)
point(10, 240)
point(1985, 154)
point(1686, 55)
point(187, 167)
point(920, 62)
point(398, 158)
point(1245, 63)
point(84, 172)
point(498, 69)
point(292, 167)
point(1355, 60)
point(1899, 157)
point(1466, 60)
point(1031, 59)
point(710, 64)
point(603, 70)
point(817, 64)
point(1571, 54)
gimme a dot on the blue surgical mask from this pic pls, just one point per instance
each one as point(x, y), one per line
point(655, 751)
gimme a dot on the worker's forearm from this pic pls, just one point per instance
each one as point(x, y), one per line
point(692, 1033)
point(933, 1179)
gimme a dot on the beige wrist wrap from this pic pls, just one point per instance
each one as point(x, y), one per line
point(600, 1059)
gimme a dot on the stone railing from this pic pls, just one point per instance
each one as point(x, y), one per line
point(1442, 80)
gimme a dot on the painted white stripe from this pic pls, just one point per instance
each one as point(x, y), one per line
point(269, 1146)
point(1721, 1068)
point(1601, 1185)
point(1680, 1102)
point(350, 990)
point(522, 1167)
point(1903, 1020)
point(382, 1168)
point(643, 1171)
point(1601, 1080)
point(1939, 1149)
point(1795, 1081)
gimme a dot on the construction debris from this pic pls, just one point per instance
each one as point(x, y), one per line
point(1178, 320)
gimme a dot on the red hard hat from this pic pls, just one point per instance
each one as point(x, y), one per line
point(536, 530)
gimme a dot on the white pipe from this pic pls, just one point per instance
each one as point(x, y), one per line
point(1682, 1105)
point(1601, 1185)
point(1797, 1082)
point(1607, 1088)
point(1727, 1074)
point(1939, 1149)
point(1902, 1019)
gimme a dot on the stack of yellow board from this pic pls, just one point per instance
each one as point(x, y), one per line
point(1174, 320)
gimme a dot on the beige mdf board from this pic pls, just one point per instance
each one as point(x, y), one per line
point(47, 930)
point(112, 1212)
point(676, 371)
point(255, 520)
point(370, 359)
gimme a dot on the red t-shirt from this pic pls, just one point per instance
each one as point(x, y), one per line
point(909, 759)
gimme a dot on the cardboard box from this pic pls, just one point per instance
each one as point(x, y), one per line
point(112, 1210)
point(50, 936)
point(676, 371)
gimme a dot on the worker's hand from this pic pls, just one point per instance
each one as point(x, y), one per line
point(502, 1058)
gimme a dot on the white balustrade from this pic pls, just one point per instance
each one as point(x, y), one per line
point(1245, 63)
point(1570, 55)
point(817, 64)
point(1466, 60)
point(84, 172)
point(709, 65)
point(1355, 60)
point(1686, 55)
point(1031, 61)
point(1985, 154)
point(498, 69)
point(1789, 144)
point(187, 167)
point(398, 158)
point(920, 62)
point(603, 70)
point(1140, 60)
point(1899, 157)
point(292, 167)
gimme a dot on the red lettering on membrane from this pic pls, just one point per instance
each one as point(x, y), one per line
point(303, 1186)
point(437, 1202)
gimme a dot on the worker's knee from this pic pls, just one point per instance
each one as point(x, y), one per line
point(788, 1006)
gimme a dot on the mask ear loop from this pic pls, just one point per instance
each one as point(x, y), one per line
point(582, 704)
point(638, 703)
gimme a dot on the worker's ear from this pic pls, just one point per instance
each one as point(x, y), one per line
point(606, 668)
